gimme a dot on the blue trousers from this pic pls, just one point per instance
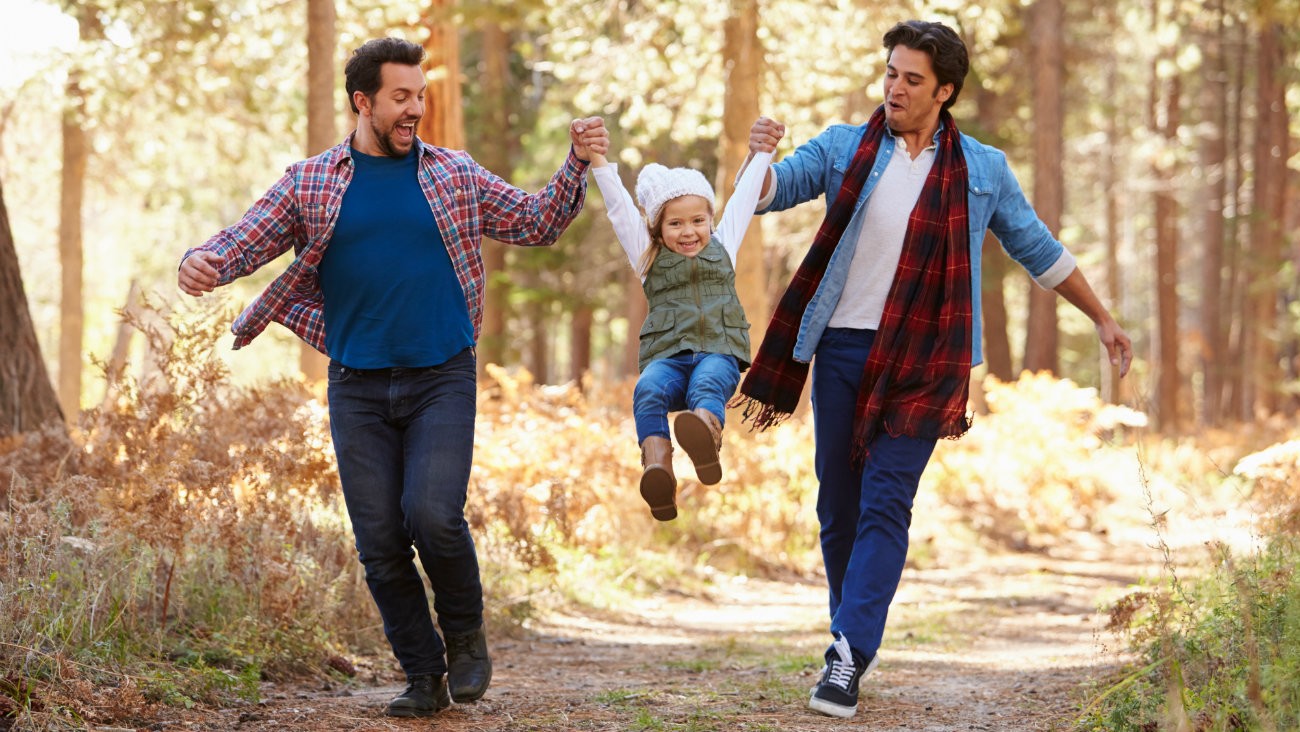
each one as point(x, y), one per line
point(682, 381)
point(864, 513)
point(404, 438)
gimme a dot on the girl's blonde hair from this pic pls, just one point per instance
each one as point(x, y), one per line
point(656, 244)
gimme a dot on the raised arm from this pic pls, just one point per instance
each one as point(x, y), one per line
point(623, 215)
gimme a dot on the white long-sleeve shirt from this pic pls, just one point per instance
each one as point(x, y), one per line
point(630, 226)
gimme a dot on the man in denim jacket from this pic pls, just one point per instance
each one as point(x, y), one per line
point(884, 301)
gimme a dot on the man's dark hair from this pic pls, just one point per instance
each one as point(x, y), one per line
point(362, 72)
point(946, 51)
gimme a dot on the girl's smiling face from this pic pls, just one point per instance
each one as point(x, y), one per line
point(687, 224)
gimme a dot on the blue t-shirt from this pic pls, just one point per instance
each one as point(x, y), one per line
point(391, 296)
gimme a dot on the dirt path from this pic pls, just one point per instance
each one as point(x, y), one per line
point(996, 643)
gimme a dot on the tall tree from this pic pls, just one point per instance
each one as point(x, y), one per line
point(1238, 275)
point(1213, 162)
point(443, 123)
point(27, 398)
point(1047, 31)
point(1111, 195)
point(742, 58)
point(1165, 119)
point(1272, 139)
point(72, 193)
point(497, 156)
point(321, 132)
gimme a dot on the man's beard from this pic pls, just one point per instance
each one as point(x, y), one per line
point(386, 143)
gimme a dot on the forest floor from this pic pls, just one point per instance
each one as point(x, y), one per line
point(987, 641)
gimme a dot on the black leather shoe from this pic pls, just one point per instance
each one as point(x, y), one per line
point(469, 670)
point(424, 696)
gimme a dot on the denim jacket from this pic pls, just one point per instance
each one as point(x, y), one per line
point(995, 201)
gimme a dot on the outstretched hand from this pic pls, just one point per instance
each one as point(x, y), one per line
point(198, 273)
point(765, 134)
point(588, 136)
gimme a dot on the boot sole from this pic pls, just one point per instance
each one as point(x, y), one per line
point(696, 439)
point(660, 492)
point(411, 713)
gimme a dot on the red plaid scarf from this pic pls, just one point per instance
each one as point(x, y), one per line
point(917, 378)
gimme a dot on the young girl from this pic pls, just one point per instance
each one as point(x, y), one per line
point(695, 340)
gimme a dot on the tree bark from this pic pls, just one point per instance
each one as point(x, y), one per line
point(580, 337)
point(27, 397)
point(321, 131)
point(1048, 34)
point(997, 347)
point(1113, 385)
point(743, 61)
point(1213, 154)
point(1165, 121)
point(1272, 139)
point(635, 312)
point(496, 158)
point(443, 121)
point(72, 192)
point(1236, 276)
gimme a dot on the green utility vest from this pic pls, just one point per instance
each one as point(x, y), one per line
point(693, 306)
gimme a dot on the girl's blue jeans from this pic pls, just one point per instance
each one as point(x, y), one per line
point(682, 381)
point(865, 512)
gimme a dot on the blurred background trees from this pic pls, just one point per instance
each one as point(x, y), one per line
point(1157, 138)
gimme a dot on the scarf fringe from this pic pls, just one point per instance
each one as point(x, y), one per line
point(759, 414)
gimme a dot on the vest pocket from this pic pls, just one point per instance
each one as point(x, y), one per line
point(658, 322)
point(733, 316)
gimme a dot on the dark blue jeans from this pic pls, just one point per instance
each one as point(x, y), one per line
point(864, 513)
point(682, 381)
point(405, 440)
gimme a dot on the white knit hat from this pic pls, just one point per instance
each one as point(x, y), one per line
point(657, 185)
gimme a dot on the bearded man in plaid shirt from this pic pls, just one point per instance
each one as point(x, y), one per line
point(388, 281)
point(885, 300)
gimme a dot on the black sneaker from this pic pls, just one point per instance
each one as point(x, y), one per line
point(424, 696)
point(469, 669)
point(837, 692)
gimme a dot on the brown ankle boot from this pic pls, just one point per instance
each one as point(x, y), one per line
point(700, 435)
point(658, 484)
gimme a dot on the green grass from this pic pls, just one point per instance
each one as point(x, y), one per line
point(1218, 652)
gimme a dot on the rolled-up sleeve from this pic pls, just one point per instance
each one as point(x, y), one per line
point(1025, 237)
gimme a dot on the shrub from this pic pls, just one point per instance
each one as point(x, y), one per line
point(1215, 654)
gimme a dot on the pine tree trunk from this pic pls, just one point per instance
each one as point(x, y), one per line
point(495, 157)
point(27, 397)
point(1214, 153)
point(1164, 122)
point(743, 61)
point(72, 190)
point(1233, 399)
point(443, 123)
point(1113, 385)
point(1272, 140)
point(321, 132)
point(1048, 34)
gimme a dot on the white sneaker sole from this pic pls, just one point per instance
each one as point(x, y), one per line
point(832, 709)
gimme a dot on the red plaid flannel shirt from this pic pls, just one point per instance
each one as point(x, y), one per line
point(300, 211)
